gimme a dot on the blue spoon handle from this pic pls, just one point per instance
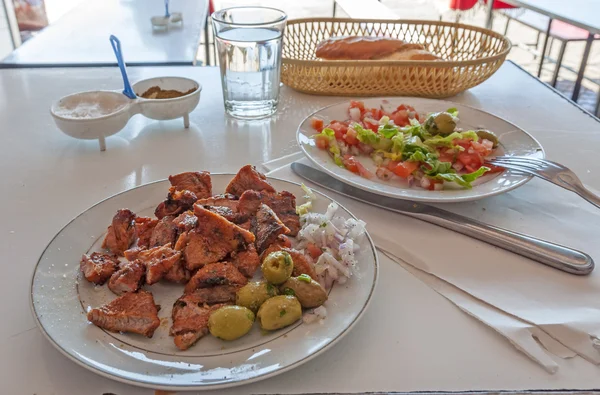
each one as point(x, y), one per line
point(167, 8)
point(116, 46)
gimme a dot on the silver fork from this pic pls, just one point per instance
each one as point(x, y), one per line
point(549, 171)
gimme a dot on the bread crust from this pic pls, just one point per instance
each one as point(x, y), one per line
point(371, 48)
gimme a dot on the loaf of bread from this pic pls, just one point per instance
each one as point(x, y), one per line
point(371, 48)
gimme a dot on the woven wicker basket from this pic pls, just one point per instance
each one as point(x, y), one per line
point(470, 56)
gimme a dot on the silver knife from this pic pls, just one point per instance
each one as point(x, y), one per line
point(554, 255)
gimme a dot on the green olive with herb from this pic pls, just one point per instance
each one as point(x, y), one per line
point(230, 322)
point(277, 267)
point(440, 123)
point(254, 294)
point(278, 312)
point(308, 292)
point(486, 134)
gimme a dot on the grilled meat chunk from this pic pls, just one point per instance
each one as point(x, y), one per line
point(131, 312)
point(165, 232)
point(301, 263)
point(190, 320)
point(266, 226)
point(121, 233)
point(158, 261)
point(143, 230)
point(224, 200)
point(127, 279)
point(283, 204)
point(248, 179)
point(186, 221)
point(226, 213)
point(197, 182)
point(178, 273)
point(212, 240)
point(177, 202)
point(98, 267)
point(246, 261)
point(132, 253)
point(220, 273)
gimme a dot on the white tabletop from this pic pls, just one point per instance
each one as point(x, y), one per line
point(411, 338)
point(81, 36)
point(581, 13)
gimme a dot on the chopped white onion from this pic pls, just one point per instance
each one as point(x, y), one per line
point(355, 114)
point(425, 183)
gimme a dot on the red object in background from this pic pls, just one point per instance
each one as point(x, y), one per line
point(211, 7)
point(464, 5)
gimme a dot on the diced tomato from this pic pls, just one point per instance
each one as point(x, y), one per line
point(350, 137)
point(392, 165)
point(363, 171)
point(350, 163)
point(400, 118)
point(376, 113)
point(358, 104)
point(480, 148)
point(446, 157)
point(473, 161)
point(314, 251)
point(494, 168)
point(465, 143)
point(339, 128)
point(432, 183)
point(373, 126)
point(322, 141)
point(405, 169)
point(316, 124)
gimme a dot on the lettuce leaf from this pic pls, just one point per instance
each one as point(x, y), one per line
point(448, 141)
point(388, 131)
point(366, 136)
point(334, 148)
point(435, 166)
point(464, 180)
point(453, 111)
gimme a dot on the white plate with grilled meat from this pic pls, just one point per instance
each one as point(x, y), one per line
point(61, 297)
point(512, 140)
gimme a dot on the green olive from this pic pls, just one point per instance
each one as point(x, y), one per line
point(440, 123)
point(230, 322)
point(486, 134)
point(254, 294)
point(277, 267)
point(278, 312)
point(308, 292)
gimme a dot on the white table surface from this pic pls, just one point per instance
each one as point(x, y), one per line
point(581, 13)
point(411, 339)
point(81, 36)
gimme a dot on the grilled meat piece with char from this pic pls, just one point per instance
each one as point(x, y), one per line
point(121, 233)
point(197, 182)
point(212, 240)
point(132, 312)
point(246, 260)
point(158, 261)
point(165, 232)
point(220, 273)
point(246, 179)
point(191, 312)
point(143, 230)
point(186, 221)
point(98, 267)
point(266, 226)
point(127, 279)
point(283, 204)
point(224, 200)
point(177, 202)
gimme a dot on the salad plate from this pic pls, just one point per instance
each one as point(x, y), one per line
point(60, 299)
point(512, 141)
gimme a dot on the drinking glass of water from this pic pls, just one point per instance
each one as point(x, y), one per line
point(249, 41)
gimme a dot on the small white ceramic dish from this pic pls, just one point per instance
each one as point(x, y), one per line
point(513, 141)
point(105, 113)
point(60, 297)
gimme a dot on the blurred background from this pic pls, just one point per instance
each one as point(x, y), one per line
point(22, 20)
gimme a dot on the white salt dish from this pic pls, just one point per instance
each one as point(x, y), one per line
point(98, 114)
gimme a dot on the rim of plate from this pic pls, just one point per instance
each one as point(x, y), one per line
point(525, 179)
point(211, 386)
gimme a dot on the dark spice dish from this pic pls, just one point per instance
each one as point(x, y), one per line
point(156, 92)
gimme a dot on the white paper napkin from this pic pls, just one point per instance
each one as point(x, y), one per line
point(519, 298)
